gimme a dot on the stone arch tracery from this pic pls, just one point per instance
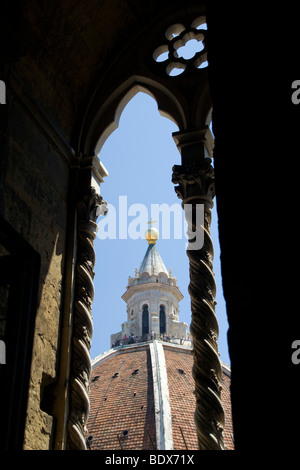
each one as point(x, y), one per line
point(106, 120)
point(108, 116)
point(185, 99)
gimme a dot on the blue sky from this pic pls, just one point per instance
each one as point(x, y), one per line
point(139, 157)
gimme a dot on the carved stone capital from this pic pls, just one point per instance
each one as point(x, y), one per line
point(196, 181)
point(195, 176)
point(91, 206)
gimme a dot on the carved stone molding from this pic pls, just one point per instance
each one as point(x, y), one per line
point(195, 185)
point(88, 210)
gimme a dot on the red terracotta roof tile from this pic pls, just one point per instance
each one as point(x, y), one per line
point(122, 402)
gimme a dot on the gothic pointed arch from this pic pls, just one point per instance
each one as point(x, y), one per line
point(107, 117)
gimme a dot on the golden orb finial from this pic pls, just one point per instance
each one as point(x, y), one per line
point(152, 233)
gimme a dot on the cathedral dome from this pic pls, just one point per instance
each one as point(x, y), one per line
point(142, 389)
point(142, 398)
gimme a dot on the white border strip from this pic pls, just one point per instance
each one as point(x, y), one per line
point(163, 417)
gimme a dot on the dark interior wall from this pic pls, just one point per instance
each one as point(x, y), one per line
point(34, 188)
point(34, 182)
point(257, 143)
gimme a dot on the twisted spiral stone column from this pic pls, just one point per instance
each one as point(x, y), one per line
point(196, 186)
point(89, 208)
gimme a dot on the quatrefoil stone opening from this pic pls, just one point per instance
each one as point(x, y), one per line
point(184, 47)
